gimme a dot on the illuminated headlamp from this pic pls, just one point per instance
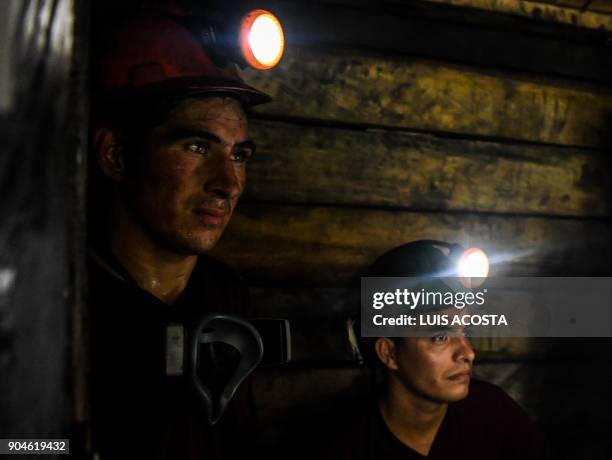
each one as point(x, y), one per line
point(473, 263)
point(472, 267)
point(256, 39)
point(261, 39)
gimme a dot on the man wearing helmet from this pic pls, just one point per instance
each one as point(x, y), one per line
point(426, 404)
point(170, 144)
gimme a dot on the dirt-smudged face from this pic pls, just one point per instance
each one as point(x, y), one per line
point(185, 184)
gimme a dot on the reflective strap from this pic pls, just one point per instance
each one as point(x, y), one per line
point(175, 349)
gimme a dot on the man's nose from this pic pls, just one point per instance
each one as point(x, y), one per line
point(464, 350)
point(224, 178)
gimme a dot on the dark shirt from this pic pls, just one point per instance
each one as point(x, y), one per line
point(487, 425)
point(137, 411)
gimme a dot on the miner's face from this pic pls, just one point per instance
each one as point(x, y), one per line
point(185, 184)
point(437, 368)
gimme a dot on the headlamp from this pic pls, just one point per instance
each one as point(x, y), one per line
point(473, 263)
point(255, 39)
point(261, 39)
point(472, 267)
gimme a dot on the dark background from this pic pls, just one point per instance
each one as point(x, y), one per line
point(392, 121)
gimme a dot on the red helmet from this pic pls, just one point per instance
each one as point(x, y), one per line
point(156, 53)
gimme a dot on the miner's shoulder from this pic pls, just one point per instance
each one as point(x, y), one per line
point(487, 410)
point(487, 391)
point(490, 400)
point(494, 412)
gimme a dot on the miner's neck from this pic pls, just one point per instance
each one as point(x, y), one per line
point(156, 269)
point(413, 419)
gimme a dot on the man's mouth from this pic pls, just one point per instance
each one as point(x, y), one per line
point(462, 376)
point(212, 216)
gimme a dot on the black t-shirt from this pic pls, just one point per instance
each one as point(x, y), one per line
point(486, 425)
point(137, 411)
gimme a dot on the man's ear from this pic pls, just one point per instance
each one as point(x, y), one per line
point(385, 350)
point(110, 153)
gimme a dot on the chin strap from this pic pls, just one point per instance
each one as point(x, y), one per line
point(243, 338)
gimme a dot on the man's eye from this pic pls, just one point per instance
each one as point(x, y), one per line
point(439, 338)
point(197, 147)
point(241, 156)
